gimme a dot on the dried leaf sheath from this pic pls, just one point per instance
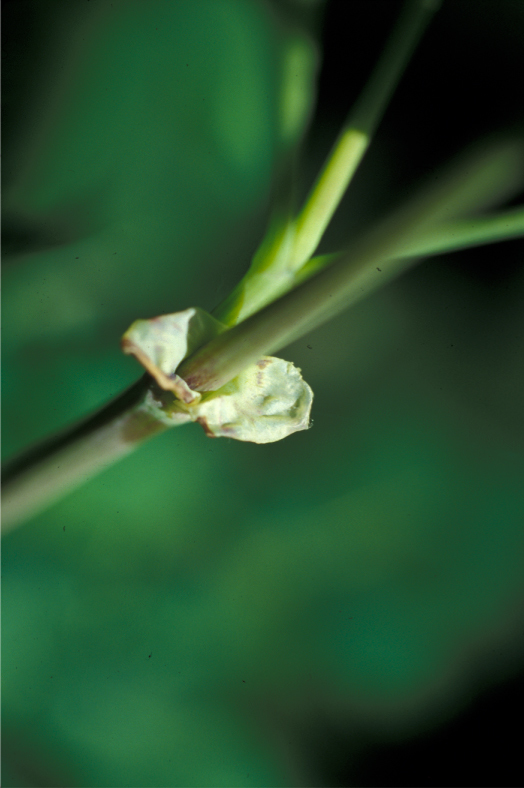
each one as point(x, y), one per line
point(266, 402)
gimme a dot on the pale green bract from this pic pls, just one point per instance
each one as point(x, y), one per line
point(266, 402)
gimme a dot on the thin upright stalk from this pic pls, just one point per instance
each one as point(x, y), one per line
point(291, 240)
point(359, 127)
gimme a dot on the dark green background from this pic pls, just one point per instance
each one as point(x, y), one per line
point(212, 613)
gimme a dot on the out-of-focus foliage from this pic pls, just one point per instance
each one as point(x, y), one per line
point(187, 617)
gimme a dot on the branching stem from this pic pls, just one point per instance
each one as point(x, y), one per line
point(290, 296)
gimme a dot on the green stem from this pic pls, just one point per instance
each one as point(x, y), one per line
point(376, 256)
point(355, 137)
point(47, 472)
point(289, 241)
point(450, 237)
point(470, 232)
point(53, 468)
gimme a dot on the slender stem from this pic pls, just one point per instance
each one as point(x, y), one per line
point(377, 255)
point(361, 123)
point(327, 193)
point(46, 472)
point(449, 237)
point(502, 226)
point(290, 241)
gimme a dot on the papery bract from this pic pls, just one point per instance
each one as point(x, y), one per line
point(161, 343)
point(267, 402)
point(264, 403)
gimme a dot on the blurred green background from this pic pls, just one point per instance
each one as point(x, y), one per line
point(212, 613)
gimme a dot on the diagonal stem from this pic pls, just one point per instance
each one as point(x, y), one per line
point(51, 469)
point(376, 256)
point(449, 237)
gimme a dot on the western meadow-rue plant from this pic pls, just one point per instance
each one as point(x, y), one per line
point(218, 369)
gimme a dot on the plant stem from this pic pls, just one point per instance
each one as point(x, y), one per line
point(290, 242)
point(372, 259)
point(449, 237)
point(53, 468)
point(361, 123)
point(476, 231)
point(47, 472)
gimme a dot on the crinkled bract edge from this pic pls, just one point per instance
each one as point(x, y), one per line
point(161, 343)
point(268, 401)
